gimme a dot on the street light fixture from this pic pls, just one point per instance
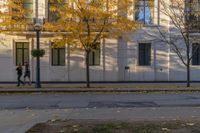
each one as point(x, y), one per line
point(38, 28)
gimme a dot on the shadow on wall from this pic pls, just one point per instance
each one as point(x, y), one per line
point(76, 72)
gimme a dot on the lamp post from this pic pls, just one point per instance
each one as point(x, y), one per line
point(38, 28)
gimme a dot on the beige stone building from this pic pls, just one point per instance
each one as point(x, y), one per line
point(142, 58)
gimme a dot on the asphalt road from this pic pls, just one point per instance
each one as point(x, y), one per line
point(20, 112)
point(63, 101)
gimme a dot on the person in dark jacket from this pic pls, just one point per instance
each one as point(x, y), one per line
point(19, 70)
point(27, 73)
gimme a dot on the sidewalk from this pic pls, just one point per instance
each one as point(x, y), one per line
point(20, 121)
point(99, 87)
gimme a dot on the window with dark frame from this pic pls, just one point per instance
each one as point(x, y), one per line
point(22, 52)
point(94, 57)
point(144, 11)
point(53, 16)
point(58, 56)
point(193, 15)
point(144, 54)
point(196, 54)
point(28, 7)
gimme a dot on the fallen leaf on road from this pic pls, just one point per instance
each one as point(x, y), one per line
point(183, 125)
point(165, 129)
point(76, 130)
point(53, 120)
point(61, 131)
point(190, 124)
point(75, 126)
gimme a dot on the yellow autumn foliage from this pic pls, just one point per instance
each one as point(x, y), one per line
point(83, 23)
point(13, 16)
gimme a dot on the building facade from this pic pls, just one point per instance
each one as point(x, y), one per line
point(142, 58)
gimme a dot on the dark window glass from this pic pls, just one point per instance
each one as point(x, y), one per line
point(27, 5)
point(22, 53)
point(196, 54)
point(94, 57)
point(53, 15)
point(144, 11)
point(193, 15)
point(144, 54)
point(58, 56)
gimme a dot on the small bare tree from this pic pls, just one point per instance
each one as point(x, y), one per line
point(180, 34)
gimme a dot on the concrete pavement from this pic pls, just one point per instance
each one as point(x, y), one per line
point(126, 100)
point(19, 121)
point(20, 112)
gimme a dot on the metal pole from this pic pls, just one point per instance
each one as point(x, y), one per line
point(36, 7)
point(38, 85)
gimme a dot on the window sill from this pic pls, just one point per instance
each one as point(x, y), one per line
point(94, 65)
point(195, 65)
point(58, 65)
point(144, 65)
point(151, 25)
point(194, 33)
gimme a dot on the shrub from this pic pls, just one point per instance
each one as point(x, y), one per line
point(38, 53)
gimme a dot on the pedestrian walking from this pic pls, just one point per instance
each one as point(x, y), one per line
point(27, 73)
point(19, 70)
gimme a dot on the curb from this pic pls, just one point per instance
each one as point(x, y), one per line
point(93, 90)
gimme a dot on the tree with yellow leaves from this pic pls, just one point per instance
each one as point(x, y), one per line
point(83, 23)
point(13, 16)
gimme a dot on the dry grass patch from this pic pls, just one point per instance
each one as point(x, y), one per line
point(91, 126)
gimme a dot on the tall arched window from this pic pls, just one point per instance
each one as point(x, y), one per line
point(196, 54)
point(28, 6)
point(22, 10)
point(53, 4)
point(193, 14)
point(144, 11)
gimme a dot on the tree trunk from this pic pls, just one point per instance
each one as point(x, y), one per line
point(188, 75)
point(87, 69)
point(188, 69)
